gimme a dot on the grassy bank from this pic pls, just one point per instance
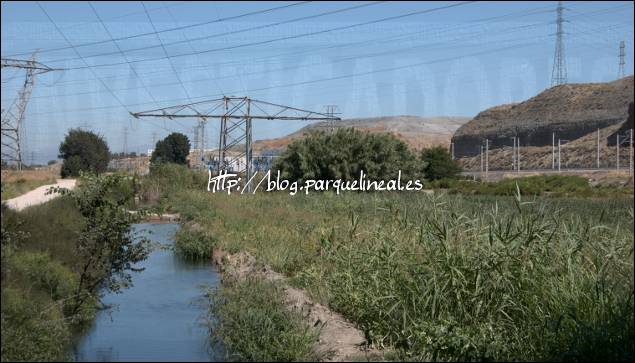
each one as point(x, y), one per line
point(38, 281)
point(446, 277)
point(57, 259)
point(250, 320)
point(539, 185)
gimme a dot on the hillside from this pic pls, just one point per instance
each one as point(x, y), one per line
point(418, 132)
point(570, 110)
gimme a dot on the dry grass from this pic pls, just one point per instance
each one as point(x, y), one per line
point(15, 183)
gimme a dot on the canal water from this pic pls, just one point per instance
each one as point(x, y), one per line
point(161, 317)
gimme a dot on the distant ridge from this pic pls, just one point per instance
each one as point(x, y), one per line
point(418, 132)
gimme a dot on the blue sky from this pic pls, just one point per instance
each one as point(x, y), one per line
point(452, 58)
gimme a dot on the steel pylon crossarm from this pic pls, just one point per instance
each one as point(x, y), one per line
point(236, 115)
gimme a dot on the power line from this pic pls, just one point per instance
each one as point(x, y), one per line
point(258, 12)
point(259, 27)
point(77, 52)
point(269, 41)
point(442, 44)
point(533, 11)
point(167, 56)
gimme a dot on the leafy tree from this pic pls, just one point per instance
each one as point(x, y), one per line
point(173, 149)
point(438, 164)
point(106, 246)
point(344, 154)
point(83, 151)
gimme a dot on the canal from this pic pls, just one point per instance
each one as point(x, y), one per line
point(161, 317)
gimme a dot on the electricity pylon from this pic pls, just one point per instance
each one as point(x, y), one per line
point(559, 70)
point(13, 116)
point(236, 115)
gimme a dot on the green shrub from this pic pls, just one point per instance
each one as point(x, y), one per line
point(438, 164)
point(250, 320)
point(344, 154)
point(33, 329)
point(193, 245)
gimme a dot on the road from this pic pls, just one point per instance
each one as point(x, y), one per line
point(38, 195)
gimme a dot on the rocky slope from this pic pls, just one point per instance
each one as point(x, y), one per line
point(570, 110)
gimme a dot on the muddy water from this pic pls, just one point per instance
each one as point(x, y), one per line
point(160, 317)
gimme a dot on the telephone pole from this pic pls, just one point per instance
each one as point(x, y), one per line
point(486, 159)
point(514, 153)
point(14, 116)
point(553, 151)
point(518, 154)
point(559, 70)
point(630, 159)
point(617, 159)
point(598, 151)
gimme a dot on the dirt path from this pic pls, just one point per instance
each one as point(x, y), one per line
point(339, 339)
point(38, 195)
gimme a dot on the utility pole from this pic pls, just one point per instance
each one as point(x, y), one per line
point(630, 159)
point(559, 70)
point(125, 141)
point(553, 150)
point(196, 139)
point(514, 153)
point(620, 73)
point(559, 162)
point(487, 159)
point(598, 151)
point(617, 161)
point(14, 116)
point(482, 162)
point(518, 154)
point(236, 115)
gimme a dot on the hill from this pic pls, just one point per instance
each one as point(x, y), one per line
point(570, 110)
point(418, 132)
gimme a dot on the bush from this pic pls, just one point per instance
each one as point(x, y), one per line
point(31, 329)
point(83, 151)
point(438, 164)
point(167, 178)
point(193, 245)
point(175, 148)
point(344, 154)
point(250, 320)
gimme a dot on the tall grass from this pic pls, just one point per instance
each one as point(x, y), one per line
point(249, 319)
point(449, 277)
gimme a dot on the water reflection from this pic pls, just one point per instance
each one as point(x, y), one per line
point(158, 319)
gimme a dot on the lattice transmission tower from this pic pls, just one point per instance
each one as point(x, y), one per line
point(559, 70)
point(13, 117)
point(620, 72)
point(236, 115)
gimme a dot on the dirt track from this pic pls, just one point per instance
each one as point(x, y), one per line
point(38, 195)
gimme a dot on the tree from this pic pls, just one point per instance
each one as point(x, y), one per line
point(438, 164)
point(107, 248)
point(83, 151)
point(344, 154)
point(173, 149)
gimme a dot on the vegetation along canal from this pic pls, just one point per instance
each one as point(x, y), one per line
point(160, 318)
